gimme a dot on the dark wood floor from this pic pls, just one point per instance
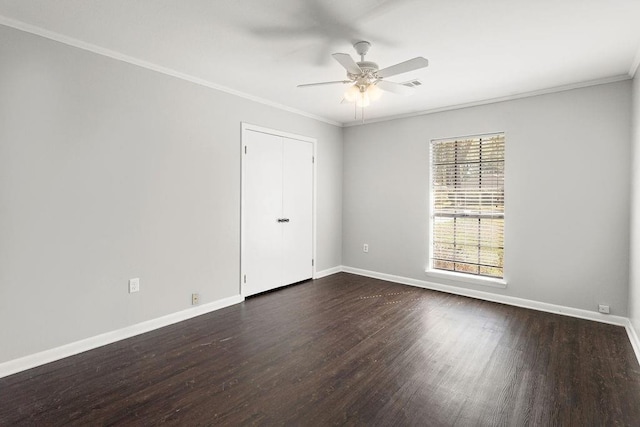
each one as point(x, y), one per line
point(344, 350)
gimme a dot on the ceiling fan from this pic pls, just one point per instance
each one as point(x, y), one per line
point(367, 80)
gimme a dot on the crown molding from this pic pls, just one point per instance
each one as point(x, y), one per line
point(546, 91)
point(32, 29)
point(51, 35)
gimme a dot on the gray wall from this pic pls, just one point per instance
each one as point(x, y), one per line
point(567, 193)
point(110, 171)
point(634, 279)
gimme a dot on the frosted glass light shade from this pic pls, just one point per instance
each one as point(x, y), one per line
point(363, 100)
point(374, 92)
point(352, 94)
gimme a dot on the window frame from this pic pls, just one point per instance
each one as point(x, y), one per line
point(453, 275)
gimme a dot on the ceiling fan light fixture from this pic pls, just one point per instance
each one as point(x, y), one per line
point(363, 95)
point(352, 93)
point(363, 99)
point(374, 92)
point(367, 80)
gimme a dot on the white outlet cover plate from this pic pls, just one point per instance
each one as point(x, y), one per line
point(134, 285)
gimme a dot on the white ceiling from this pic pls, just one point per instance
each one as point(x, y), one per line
point(478, 49)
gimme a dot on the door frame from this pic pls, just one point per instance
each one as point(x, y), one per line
point(248, 127)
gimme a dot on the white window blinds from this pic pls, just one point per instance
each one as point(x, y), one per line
point(467, 205)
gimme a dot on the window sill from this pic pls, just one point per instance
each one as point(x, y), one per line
point(466, 278)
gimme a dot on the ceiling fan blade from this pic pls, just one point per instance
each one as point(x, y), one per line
point(347, 62)
point(404, 67)
point(395, 87)
point(325, 83)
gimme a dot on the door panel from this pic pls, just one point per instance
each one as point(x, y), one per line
point(297, 189)
point(262, 262)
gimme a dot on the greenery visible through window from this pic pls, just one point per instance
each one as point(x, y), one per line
point(467, 205)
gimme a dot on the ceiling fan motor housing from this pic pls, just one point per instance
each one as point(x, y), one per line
point(368, 66)
point(369, 71)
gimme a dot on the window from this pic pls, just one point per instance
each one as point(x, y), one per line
point(467, 205)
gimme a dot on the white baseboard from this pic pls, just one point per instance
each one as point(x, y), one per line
point(504, 299)
point(17, 365)
point(328, 272)
point(31, 361)
point(633, 337)
point(487, 296)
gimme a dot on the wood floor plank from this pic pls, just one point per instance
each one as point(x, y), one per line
point(344, 350)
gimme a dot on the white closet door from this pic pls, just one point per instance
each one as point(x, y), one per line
point(297, 207)
point(262, 257)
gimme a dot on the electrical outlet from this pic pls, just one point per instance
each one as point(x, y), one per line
point(603, 308)
point(195, 299)
point(365, 248)
point(134, 285)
